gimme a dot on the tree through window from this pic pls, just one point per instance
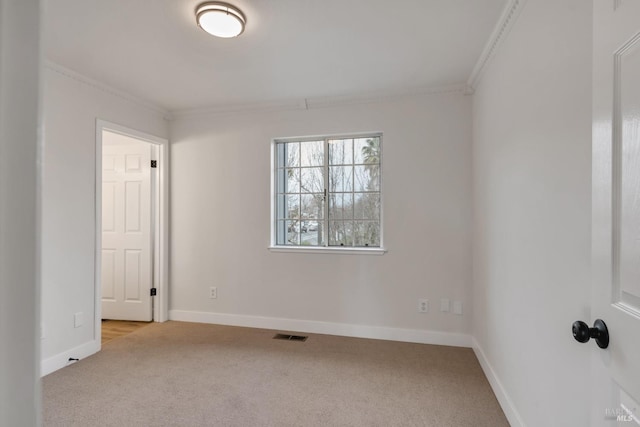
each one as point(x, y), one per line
point(327, 192)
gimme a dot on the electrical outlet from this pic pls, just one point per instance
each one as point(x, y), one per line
point(423, 305)
point(445, 305)
point(457, 308)
point(78, 320)
point(213, 292)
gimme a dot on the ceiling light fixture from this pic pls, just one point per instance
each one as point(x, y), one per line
point(220, 19)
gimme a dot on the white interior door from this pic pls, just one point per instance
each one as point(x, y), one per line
point(126, 274)
point(616, 211)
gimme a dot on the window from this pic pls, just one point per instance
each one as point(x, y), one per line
point(327, 192)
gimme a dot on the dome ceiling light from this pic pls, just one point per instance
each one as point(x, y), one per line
point(220, 19)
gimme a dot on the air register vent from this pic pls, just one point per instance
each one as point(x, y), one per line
point(290, 337)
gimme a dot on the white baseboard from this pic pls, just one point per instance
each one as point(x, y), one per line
point(327, 328)
point(506, 403)
point(61, 360)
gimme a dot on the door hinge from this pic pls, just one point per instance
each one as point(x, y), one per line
point(154, 163)
point(154, 292)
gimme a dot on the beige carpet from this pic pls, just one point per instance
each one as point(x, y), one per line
point(188, 374)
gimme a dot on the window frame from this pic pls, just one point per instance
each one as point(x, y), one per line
point(274, 247)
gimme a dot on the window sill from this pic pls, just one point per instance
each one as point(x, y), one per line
point(326, 250)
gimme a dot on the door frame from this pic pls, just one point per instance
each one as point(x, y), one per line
point(160, 209)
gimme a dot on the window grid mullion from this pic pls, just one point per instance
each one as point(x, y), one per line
point(353, 194)
point(299, 223)
point(325, 229)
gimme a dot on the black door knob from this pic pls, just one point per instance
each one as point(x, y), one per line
point(583, 333)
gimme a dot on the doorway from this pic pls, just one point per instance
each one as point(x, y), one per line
point(131, 225)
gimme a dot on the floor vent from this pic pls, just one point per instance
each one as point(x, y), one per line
point(290, 337)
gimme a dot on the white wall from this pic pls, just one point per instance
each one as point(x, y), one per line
point(531, 162)
point(71, 107)
point(19, 89)
point(220, 225)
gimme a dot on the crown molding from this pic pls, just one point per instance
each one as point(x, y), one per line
point(319, 102)
point(294, 104)
point(57, 68)
point(511, 11)
point(268, 106)
point(374, 97)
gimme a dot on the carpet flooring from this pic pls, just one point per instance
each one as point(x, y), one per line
point(189, 374)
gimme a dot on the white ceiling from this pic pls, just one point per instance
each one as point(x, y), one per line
point(291, 49)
